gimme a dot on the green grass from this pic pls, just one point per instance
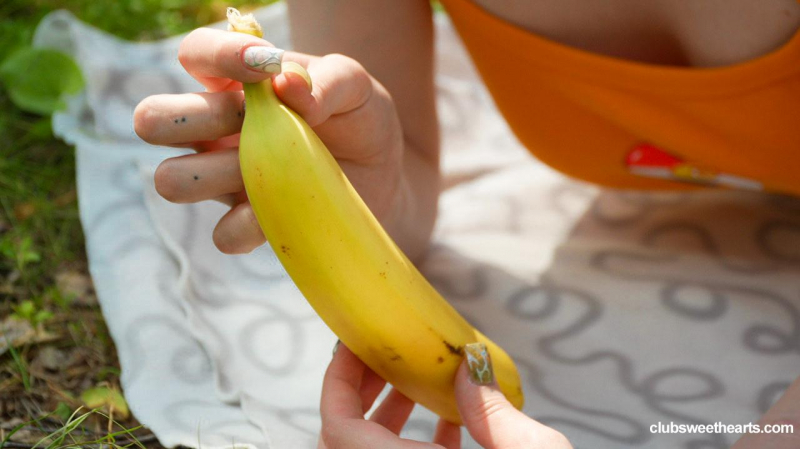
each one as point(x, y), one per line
point(41, 237)
point(74, 432)
point(39, 228)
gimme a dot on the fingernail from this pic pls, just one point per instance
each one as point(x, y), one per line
point(263, 59)
point(336, 347)
point(479, 364)
point(291, 66)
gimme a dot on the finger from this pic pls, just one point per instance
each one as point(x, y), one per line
point(340, 85)
point(371, 386)
point(341, 385)
point(203, 146)
point(178, 119)
point(199, 177)
point(369, 131)
point(343, 424)
point(238, 232)
point(486, 413)
point(216, 58)
point(393, 411)
point(448, 435)
point(344, 106)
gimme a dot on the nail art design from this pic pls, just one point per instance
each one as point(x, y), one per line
point(479, 363)
point(263, 59)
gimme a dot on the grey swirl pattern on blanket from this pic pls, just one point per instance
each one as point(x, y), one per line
point(665, 253)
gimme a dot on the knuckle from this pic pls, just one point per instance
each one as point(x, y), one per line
point(488, 411)
point(356, 72)
point(315, 115)
point(326, 434)
point(219, 122)
point(343, 74)
point(226, 116)
point(217, 54)
point(558, 439)
point(339, 59)
point(335, 434)
point(183, 48)
point(363, 80)
point(189, 42)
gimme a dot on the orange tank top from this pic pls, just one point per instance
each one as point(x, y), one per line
point(627, 124)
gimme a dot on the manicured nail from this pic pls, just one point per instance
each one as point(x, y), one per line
point(263, 59)
point(479, 364)
point(336, 347)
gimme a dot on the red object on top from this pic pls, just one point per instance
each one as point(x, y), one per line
point(646, 155)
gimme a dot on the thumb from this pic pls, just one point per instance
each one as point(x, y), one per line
point(488, 416)
point(484, 410)
point(340, 85)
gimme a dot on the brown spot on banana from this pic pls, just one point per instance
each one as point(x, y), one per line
point(455, 350)
point(395, 356)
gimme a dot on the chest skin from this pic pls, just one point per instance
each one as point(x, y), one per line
point(685, 33)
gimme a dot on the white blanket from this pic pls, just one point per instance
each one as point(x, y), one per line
point(622, 309)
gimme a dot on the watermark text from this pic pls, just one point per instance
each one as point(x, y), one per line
point(719, 427)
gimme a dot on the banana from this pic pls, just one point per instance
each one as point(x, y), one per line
point(347, 267)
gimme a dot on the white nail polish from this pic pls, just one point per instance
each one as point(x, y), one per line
point(263, 59)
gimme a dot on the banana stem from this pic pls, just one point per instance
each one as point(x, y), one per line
point(246, 24)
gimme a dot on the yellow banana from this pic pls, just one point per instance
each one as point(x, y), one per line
point(348, 268)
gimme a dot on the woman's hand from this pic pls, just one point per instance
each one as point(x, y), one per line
point(351, 112)
point(350, 388)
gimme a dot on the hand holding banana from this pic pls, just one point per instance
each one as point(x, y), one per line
point(348, 109)
point(345, 264)
point(350, 388)
point(363, 302)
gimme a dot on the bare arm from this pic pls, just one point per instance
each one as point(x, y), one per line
point(393, 40)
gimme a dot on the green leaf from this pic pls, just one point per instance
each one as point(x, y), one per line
point(42, 316)
point(62, 411)
point(30, 256)
point(37, 78)
point(108, 371)
point(106, 397)
point(25, 310)
point(25, 253)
